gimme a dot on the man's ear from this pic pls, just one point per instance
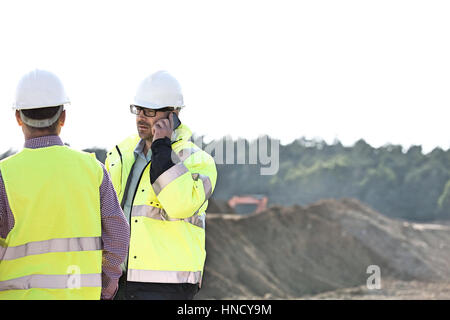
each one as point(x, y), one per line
point(62, 118)
point(18, 119)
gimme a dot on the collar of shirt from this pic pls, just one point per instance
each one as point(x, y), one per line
point(139, 151)
point(42, 142)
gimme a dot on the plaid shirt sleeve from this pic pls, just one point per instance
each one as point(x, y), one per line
point(115, 237)
point(6, 216)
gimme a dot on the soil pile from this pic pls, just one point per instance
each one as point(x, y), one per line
point(300, 251)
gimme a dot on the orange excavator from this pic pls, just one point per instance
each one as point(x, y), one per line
point(259, 200)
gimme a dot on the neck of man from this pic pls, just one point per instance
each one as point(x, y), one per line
point(147, 145)
point(37, 134)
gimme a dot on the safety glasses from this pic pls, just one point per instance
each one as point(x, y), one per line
point(148, 112)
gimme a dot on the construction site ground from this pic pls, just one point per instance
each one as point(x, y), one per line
point(322, 251)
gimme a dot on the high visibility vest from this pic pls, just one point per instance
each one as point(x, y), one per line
point(54, 249)
point(167, 218)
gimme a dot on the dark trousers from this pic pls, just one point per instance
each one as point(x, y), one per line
point(129, 290)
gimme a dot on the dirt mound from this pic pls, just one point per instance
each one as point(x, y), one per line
point(219, 206)
point(390, 290)
point(297, 251)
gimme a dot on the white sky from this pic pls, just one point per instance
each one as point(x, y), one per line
point(378, 70)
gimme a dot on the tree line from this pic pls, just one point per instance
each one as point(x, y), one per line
point(406, 184)
point(399, 183)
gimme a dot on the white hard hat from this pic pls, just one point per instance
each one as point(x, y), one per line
point(159, 90)
point(39, 89)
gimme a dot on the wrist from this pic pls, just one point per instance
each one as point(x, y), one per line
point(161, 142)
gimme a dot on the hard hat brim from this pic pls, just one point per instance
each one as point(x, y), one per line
point(148, 105)
point(28, 107)
point(41, 123)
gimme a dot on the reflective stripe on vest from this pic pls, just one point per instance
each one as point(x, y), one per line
point(168, 176)
point(50, 281)
point(206, 184)
point(164, 276)
point(177, 171)
point(183, 154)
point(52, 245)
point(186, 153)
point(160, 214)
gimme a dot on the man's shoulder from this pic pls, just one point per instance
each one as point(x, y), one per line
point(80, 153)
point(126, 145)
point(8, 158)
point(85, 156)
point(191, 154)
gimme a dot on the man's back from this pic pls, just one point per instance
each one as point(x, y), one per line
point(53, 195)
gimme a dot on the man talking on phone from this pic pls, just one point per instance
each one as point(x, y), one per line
point(163, 182)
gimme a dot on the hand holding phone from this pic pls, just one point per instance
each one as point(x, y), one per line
point(165, 127)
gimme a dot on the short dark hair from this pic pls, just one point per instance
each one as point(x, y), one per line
point(41, 114)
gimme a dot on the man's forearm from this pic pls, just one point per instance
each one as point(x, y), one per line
point(161, 158)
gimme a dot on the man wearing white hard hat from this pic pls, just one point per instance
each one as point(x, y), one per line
point(63, 234)
point(163, 182)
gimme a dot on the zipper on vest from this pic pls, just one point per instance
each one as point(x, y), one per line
point(121, 169)
point(120, 153)
point(131, 211)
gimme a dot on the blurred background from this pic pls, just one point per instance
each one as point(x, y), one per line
point(355, 92)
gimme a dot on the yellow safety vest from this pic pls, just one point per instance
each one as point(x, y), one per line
point(167, 219)
point(54, 249)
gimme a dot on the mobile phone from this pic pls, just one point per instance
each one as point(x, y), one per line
point(176, 121)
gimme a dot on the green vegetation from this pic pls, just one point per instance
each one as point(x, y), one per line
point(399, 183)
